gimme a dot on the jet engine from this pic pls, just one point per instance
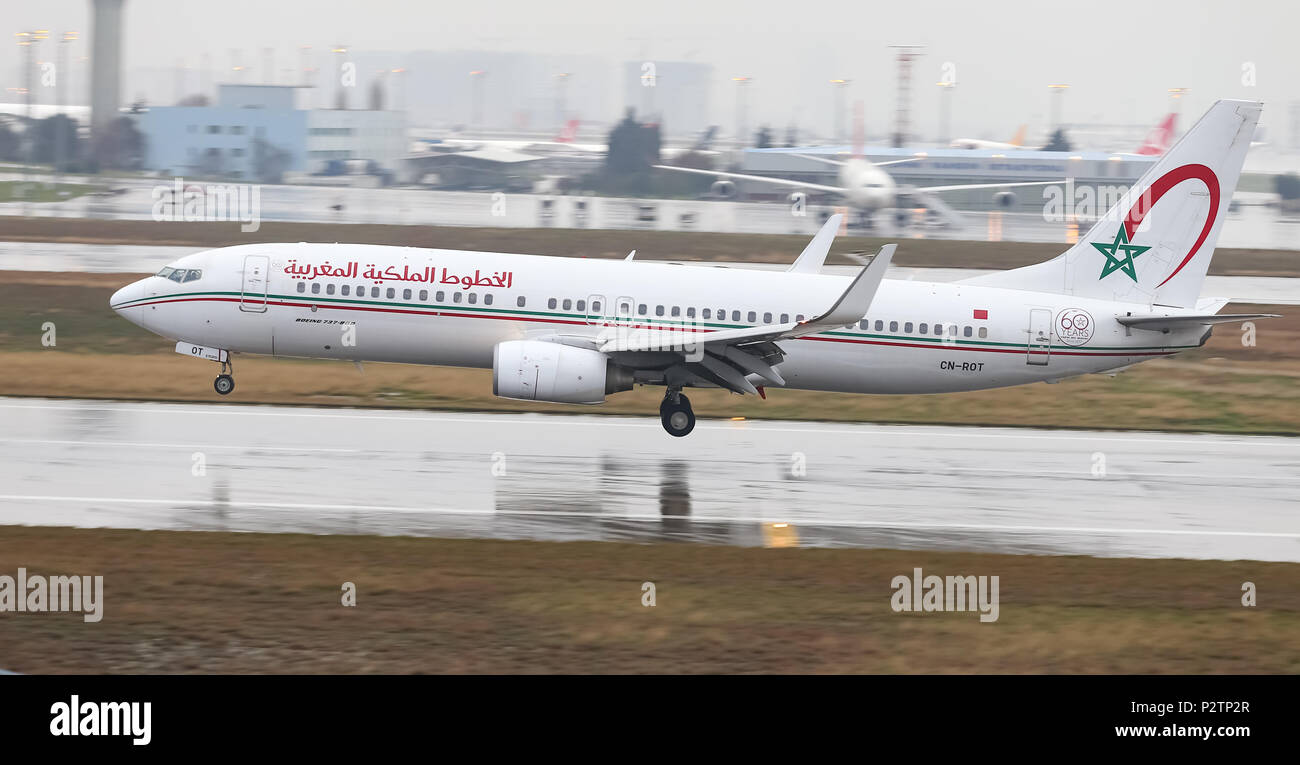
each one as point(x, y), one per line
point(723, 189)
point(1005, 199)
point(537, 370)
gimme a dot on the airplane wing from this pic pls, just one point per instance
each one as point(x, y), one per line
point(813, 257)
point(841, 163)
point(824, 160)
point(1166, 323)
point(897, 161)
point(983, 185)
point(725, 357)
point(758, 178)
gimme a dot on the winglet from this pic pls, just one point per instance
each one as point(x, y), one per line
point(855, 301)
point(630, 255)
point(812, 258)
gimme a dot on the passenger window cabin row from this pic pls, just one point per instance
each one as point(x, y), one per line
point(924, 328)
point(391, 293)
point(938, 329)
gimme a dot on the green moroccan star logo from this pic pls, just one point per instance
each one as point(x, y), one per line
point(1114, 262)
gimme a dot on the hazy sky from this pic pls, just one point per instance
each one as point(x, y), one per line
point(1118, 56)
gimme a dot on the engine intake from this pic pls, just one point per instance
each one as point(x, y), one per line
point(723, 189)
point(537, 370)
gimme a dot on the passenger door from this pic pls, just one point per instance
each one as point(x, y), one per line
point(253, 296)
point(1039, 349)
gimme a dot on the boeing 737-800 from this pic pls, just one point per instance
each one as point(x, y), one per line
point(574, 330)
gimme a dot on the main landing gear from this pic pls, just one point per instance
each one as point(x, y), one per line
point(225, 381)
point(676, 415)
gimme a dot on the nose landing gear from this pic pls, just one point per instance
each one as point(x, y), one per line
point(676, 415)
point(225, 381)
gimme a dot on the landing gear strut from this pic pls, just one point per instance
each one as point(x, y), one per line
point(676, 415)
point(225, 381)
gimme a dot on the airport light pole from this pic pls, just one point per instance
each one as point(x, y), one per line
point(476, 79)
point(741, 85)
point(945, 111)
point(1176, 100)
point(561, 86)
point(28, 40)
point(340, 94)
point(1057, 95)
point(399, 89)
point(61, 74)
point(837, 93)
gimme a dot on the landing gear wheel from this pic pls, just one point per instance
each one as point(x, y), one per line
point(224, 384)
point(676, 416)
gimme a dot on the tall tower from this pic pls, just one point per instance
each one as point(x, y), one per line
point(903, 114)
point(105, 63)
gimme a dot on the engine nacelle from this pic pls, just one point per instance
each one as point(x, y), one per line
point(1005, 199)
point(536, 370)
point(723, 189)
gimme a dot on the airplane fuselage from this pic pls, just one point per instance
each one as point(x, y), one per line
point(451, 308)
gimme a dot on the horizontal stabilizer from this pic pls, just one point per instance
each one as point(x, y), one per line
point(1165, 323)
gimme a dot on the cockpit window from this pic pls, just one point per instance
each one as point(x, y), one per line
point(179, 275)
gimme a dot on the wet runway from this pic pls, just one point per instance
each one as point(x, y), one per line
point(286, 469)
point(118, 258)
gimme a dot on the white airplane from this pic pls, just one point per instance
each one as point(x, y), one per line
point(1017, 142)
point(862, 183)
point(1156, 142)
point(573, 330)
point(565, 143)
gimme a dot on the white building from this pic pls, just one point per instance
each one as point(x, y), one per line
point(257, 130)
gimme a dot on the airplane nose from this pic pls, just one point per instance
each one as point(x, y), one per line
point(132, 291)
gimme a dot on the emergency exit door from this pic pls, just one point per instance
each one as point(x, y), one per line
point(1039, 349)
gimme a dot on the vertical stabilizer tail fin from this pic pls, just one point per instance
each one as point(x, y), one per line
point(1154, 245)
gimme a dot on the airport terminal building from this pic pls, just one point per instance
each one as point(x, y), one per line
point(253, 129)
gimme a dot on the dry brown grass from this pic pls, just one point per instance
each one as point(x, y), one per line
point(223, 602)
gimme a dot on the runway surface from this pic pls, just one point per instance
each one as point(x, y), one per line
point(333, 471)
point(1245, 226)
point(117, 258)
